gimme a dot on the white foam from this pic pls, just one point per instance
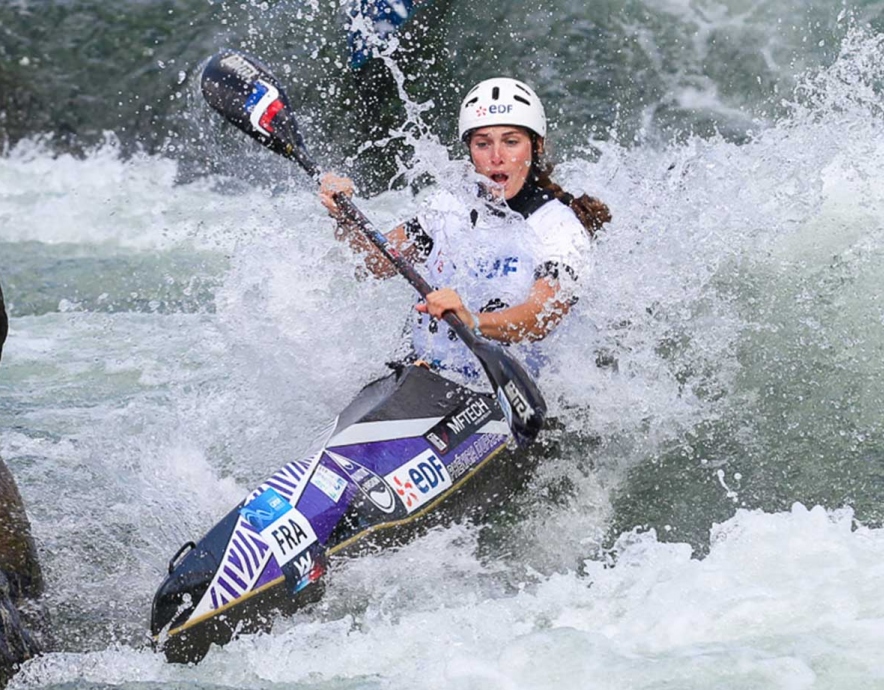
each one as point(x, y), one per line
point(103, 199)
point(783, 600)
point(719, 257)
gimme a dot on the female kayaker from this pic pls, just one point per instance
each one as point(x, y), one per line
point(508, 252)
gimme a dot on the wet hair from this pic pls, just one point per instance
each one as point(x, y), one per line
point(590, 211)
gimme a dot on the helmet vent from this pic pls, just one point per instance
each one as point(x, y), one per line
point(495, 93)
point(520, 99)
point(471, 102)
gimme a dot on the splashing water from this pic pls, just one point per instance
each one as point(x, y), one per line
point(709, 512)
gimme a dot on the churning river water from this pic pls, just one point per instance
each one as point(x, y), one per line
point(182, 323)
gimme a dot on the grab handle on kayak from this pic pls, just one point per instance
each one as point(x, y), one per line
point(189, 545)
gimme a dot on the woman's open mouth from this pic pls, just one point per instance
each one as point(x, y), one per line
point(499, 178)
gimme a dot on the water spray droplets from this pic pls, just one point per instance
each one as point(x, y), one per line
point(731, 493)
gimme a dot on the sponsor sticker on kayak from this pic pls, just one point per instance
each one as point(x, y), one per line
point(371, 485)
point(420, 480)
point(457, 427)
point(329, 483)
point(265, 509)
point(285, 530)
point(307, 567)
point(289, 536)
point(473, 454)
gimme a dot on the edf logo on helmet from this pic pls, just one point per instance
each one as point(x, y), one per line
point(501, 101)
point(495, 110)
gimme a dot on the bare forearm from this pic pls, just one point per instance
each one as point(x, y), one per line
point(531, 320)
point(525, 321)
point(375, 261)
point(334, 188)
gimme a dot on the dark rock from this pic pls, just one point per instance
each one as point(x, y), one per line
point(18, 553)
point(21, 579)
point(16, 643)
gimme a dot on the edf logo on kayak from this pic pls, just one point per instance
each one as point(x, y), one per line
point(419, 480)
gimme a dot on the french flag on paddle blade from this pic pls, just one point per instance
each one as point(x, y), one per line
point(262, 105)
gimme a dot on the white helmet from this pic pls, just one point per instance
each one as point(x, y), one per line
point(501, 101)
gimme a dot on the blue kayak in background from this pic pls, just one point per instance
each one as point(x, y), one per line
point(373, 22)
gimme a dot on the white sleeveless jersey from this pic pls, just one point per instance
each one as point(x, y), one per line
point(492, 264)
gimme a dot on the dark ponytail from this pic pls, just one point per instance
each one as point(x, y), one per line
point(590, 211)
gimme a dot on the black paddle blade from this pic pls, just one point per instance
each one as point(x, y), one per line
point(517, 394)
point(247, 94)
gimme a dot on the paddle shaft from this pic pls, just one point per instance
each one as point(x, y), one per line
point(379, 240)
point(405, 268)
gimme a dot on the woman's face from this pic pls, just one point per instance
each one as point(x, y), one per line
point(502, 153)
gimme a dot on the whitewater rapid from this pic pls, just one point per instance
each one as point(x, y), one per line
point(712, 519)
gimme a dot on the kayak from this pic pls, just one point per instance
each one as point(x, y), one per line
point(373, 23)
point(413, 449)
